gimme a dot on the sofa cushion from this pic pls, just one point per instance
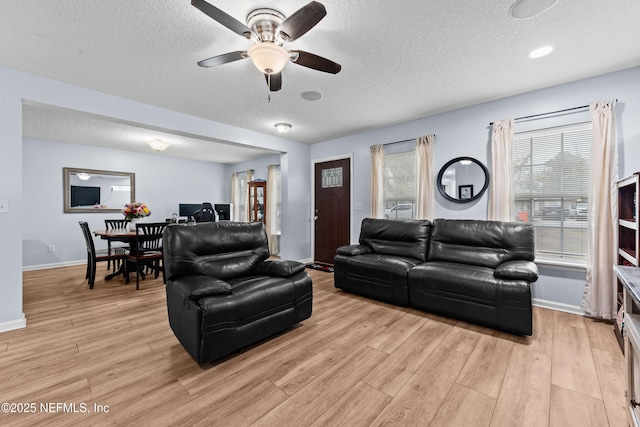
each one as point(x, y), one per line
point(468, 281)
point(216, 249)
point(407, 238)
point(482, 243)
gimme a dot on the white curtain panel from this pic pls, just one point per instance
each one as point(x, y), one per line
point(272, 204)
point(599, 298)
point(425, 185)
point(245, 196)
point(377, 184)
point(502, 195)
point(234, 196)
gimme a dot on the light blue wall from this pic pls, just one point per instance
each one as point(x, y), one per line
point(465, 132)
point(11, 316)
point(161, 182)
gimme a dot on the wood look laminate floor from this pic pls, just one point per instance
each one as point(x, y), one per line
point(108, 357)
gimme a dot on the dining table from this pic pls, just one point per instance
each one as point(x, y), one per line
point(125, 235)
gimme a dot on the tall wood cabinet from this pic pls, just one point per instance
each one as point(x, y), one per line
point(257, 201)
point(628, 243)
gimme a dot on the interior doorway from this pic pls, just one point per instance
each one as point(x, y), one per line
point(332, 208)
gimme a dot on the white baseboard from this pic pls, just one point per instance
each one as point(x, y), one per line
point(14, 324)
point(558, 306)
point(54, 265)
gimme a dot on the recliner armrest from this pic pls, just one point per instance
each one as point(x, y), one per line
point(194, 287)
point(517, 270)
point(353, 250)
point(279, 268)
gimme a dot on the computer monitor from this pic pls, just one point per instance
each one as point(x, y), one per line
point(188, 209)
point(224, 211)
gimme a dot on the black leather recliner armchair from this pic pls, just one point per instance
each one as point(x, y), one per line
point(223, 294)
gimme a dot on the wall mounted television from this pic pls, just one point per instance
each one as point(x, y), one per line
point(84, 196)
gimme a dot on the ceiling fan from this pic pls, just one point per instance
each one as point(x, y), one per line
point(269, 29)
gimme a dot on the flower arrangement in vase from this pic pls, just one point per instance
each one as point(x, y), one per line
point(134, 211)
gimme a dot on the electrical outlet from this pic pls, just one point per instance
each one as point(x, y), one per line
point(4, 206)
point(51, 248)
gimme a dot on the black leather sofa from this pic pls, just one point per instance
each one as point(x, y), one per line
point(223, 293)
point(477, 271)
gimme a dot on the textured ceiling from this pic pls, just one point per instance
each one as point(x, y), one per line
point(401, 60)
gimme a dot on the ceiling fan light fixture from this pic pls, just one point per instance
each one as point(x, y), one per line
point(283, 127)
point(268, 57)
point(158, 144)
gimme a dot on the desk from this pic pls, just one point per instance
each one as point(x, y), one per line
point(117, 235)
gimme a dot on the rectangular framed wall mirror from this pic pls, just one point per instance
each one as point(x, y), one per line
point(99, 191)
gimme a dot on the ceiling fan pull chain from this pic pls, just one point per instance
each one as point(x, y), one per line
point(269, 86)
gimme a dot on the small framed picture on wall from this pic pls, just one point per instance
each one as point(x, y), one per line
point(465, 192)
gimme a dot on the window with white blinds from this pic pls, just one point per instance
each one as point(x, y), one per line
point(551, 173)
point(399, 191)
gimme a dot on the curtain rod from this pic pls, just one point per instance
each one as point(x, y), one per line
point(550, 112)
point(399, 142)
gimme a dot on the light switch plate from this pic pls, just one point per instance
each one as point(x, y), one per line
point(4, 206)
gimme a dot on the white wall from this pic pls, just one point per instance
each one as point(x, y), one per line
point(161, 182)
point(466, 132)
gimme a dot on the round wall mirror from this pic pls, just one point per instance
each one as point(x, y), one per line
point(463, 180)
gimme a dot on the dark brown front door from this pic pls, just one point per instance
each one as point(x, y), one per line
point(332, 207)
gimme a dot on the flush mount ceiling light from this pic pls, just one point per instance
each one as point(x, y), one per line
point(84, 176)
point(523, 9)
point(283, 127)
point(158, 144)
point(540, 52)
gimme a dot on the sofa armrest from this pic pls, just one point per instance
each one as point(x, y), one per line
point(196, 286)
point(353, 250)
point(517, 270)
point(278, 268)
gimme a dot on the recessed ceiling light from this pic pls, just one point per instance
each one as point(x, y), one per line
point(311, 95)
point(523, 9)
point(540, 52)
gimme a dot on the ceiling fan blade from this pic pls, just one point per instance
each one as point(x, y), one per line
point(224, 58)
point(274, 81)
point(316, 62)
point(225, 19)
point(301, 21)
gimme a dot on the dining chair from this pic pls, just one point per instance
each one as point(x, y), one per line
point(111, 224)
point(94, 256)
point(146, 250)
